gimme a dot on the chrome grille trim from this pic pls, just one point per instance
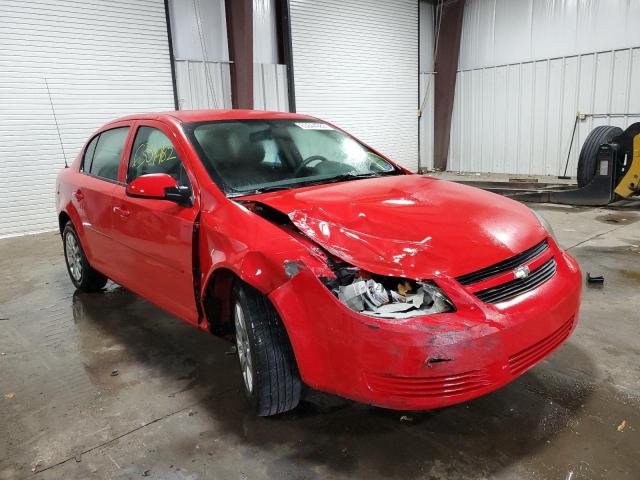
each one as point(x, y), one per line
point(505, 265)
point(518, 286)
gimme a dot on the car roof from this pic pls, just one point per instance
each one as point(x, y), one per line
point(188, 116)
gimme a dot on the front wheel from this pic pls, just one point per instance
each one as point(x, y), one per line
point(83, 276)
point(269, 371)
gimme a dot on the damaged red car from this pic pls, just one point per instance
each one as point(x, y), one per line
point(330, 265)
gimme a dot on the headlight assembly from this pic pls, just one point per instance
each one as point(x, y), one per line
point(545, 224)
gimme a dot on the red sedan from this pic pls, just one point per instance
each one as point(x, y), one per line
point(330, 265)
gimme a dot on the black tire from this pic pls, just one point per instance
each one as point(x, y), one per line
point(83, 276)
point(275, 384)
point(587, 162)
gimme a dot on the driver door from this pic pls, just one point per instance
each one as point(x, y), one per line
point(155, 236)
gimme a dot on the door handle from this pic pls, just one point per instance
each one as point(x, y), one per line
point(121, 211)
point(78, 194)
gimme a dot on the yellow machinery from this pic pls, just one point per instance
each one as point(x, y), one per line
point(608, 169)
point(630, 183)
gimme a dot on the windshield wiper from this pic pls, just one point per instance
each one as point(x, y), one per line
point(344, 177)
point(265, 189)
point(337, 178)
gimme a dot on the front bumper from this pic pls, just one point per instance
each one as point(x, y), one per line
point(431, 361)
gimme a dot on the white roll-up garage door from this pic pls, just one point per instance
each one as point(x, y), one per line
point(355, 63)
point(101, 58)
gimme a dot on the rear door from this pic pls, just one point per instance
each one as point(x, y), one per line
point(154, 236)
point(93, 194)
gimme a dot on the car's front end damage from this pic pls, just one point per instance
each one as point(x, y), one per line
point(427, 361)
point(402, 323)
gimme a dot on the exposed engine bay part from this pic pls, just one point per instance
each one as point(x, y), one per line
point(265, 211)
point(388, 297)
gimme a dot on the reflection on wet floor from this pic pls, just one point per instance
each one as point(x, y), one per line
point(175, 410)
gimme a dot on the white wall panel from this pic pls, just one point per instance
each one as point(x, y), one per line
point(203, 84)
point(497, 32)
point(355, 63)
point(519, 118)
point(199, 30)
point(270, 88)
point(527, 67)
point(200, 47)
point(265, 40)
point(426, 120)
point(102, 59)
point(426, 98)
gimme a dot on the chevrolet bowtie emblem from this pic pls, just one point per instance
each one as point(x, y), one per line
point(521, 272)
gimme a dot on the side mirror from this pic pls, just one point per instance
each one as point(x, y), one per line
point(159, 186)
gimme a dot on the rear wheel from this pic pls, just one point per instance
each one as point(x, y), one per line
point(587, 162)
point(83, 276)
point(269, 371)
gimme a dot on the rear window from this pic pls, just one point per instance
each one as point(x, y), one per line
point(107, 153)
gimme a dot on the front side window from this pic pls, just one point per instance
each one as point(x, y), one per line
point(153, 152)
point(246, 156)
point(108, 150)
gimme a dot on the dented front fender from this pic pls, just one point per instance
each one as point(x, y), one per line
point(423, 362)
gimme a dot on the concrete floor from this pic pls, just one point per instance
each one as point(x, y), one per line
point(176, 410)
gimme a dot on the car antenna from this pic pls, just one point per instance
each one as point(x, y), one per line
point(55, 119)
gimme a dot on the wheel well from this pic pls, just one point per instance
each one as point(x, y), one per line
point(217, 302)
point(63, 218)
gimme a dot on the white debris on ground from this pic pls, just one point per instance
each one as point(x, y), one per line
point(371, 298)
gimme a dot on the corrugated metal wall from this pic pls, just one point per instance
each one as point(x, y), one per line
point(102, 59)
point(427, 78)
point(265, 38)
point(355, 63)
point(270, 88)
point(203, 84)
point(199, 34)
point(527, 67)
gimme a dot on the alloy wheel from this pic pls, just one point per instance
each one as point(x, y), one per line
point(243, 346)
point(74, 256)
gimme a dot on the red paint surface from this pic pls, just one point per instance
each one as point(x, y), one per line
point(152, 185)
point(408, 225)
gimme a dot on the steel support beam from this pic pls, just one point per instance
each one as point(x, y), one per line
point(239, 15)
point(446, 66)
point(172, 59)
point(285, 55)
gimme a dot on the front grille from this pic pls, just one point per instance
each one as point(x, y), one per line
point(518, 286)
point(505, 265)
point(432, 386)
point(531, 355)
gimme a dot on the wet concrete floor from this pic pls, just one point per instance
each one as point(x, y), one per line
point(175, 410)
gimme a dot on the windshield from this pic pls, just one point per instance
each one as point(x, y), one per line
point(251, 156)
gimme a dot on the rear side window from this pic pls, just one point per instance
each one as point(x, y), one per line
point(153, 152)
point(107, 153)
point(88, 154)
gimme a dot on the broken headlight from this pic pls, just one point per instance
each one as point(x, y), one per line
point(388, 297)
point(378, 295)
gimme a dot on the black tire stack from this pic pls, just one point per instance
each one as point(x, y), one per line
point(588, 160)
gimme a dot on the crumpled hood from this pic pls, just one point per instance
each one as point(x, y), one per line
point(410, 225)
